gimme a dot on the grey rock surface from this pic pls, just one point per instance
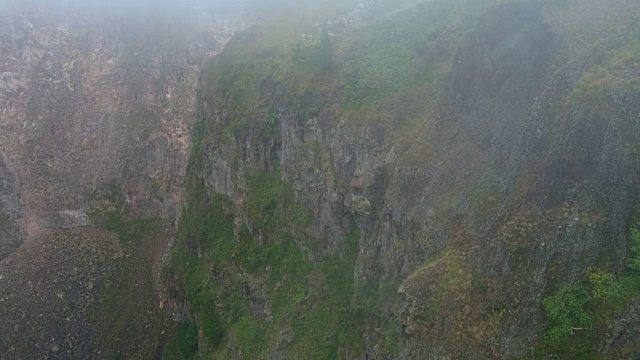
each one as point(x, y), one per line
point(10, 209)
point(96, 106)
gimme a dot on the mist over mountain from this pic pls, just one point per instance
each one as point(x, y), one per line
point(407, 179)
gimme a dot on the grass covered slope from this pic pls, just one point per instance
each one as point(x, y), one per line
point(246, 296)
point(415, 179)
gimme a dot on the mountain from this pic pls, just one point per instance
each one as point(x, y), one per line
point(96, 110)
point(411, 179)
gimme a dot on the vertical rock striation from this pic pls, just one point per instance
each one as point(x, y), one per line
point(97, 100)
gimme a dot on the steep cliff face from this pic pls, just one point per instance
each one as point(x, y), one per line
point(461, 161)
point(96, 105)
point(92, 100)
point(354, 179)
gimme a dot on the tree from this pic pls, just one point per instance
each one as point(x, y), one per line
point(566, 309)
point(603, 284)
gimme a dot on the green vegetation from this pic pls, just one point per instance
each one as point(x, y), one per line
point(388, 58)
point(251, 288)
point(268, 196)
point(272, 119)
point(566, 309)
point(246, 273)
point(128, 295)
point(603, 285)
point(203, 226)
point(634, 235)
point(582, 312)
point(130, 231)
point(397, 56)
point(247, 268)
point(612, 74)
point(444, 279)
point(319, 55)
point(272, 60)
point(184, 345)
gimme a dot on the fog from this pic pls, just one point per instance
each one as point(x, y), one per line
point(144, 6)
point(134, 9)
point(145, 20)
point(140, 11)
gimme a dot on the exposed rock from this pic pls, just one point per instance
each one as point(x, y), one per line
point(514, 180)
point(97, 101)
point(279, 355)
point(96, 107)
point(67, 219)
point(10, 209)
point(361, 204)
point(44, 299)
point(495, 200)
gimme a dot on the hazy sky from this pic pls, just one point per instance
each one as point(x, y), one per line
point(140, 5)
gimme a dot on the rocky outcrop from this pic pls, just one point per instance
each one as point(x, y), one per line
point(48, 287)
point(480, 165)
point(99, 104)
point(10, 237)
point(493, 201)
point(96, 105)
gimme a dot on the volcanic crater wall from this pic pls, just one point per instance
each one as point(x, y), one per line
point(97, 104)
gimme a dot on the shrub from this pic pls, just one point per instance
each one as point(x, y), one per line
point(603, 284)
point(185, 343)
point(634, 263)
point(567, 310)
